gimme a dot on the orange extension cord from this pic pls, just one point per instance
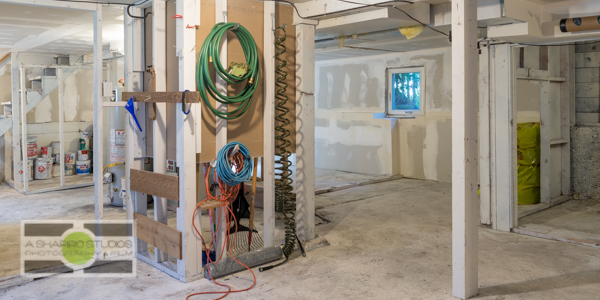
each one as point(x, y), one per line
point(226, 196)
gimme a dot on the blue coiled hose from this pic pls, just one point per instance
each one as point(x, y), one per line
point(225, 168)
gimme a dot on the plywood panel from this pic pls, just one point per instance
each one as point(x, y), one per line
point(162, 185)
point(249, 128)
point(158, 234)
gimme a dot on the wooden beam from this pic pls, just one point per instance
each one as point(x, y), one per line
point(16, 116)
point(98, 115)
point(158, 234)
point(465, 202)
point(305, 128)
point(159, 150)
point(161, 185)
point(268, 160)
point(162, 97)
point(484, 136)
point(189, 267)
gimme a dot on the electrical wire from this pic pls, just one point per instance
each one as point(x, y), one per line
point(236, 159)
point(209, 53)
point(129, 6)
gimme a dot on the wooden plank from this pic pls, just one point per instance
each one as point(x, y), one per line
point(590, 90)
point(210, 204)
point(98, 135)
point(158, 234)
point(465, 202)
point(159, 147)
point(189, 267)
point(161, 185)
point(484, 136)
point(16, 115)
point(268, 160)
point(587, 104)
point(587, 118)
point(545, 99)
point(587, 75)
point(559, 142)
point(567, 95)
point(587, 60)
point(305, 129)
point(162, 97)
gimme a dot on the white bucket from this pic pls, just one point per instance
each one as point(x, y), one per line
point(55, 147)
point(56, 170)
point(46, 152)
point(70, 158)
point(30, 167)
point(83, 167)
point(69, 169)
point(43, 168)
point(83, 155)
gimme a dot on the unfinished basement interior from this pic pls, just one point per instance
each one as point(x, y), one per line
point(299, 149)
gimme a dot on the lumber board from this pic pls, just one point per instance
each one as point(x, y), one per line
point(210, 204)
point(158, 234)
point(161, 185)
point(162, 97)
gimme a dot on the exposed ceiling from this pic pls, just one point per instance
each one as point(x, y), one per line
point(55, 31)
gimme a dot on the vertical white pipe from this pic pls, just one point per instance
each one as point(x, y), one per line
point(268, 160)
point(98, 112)
point(16, 115)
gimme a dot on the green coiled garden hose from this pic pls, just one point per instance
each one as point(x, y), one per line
point(235, 74)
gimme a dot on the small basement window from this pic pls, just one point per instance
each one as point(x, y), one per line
point(405, 92)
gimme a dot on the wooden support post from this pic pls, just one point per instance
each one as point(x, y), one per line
point(484, 136)
point(464, 149)
point(159, 62)
point(24, 165)
point(190, 266)
point(503, 138)
point(61, 120)
point(221, 124)
point(305, 128)
point(268, 160)
point(135, 201)
point(567, 96)
point(545, 121)
point(16, 115)
point(98, 134)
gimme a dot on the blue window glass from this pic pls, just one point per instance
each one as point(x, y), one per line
point(406, 94)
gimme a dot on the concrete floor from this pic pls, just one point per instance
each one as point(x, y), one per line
point(390, 240)
point(577, 220)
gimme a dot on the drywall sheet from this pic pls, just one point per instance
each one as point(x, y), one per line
point(248, 129)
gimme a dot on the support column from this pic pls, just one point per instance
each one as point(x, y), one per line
point(484, 137)
point(16, 115)
point(465, 210)
point(190, 266)
point(268, 160)
point(159, 62)
point(98, 112)
point(305, 128)
point(61, 120)
point(135, 201)
point(221, 125)
point(503, 132)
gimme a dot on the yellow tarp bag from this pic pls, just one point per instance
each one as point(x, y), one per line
point(528, 152)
